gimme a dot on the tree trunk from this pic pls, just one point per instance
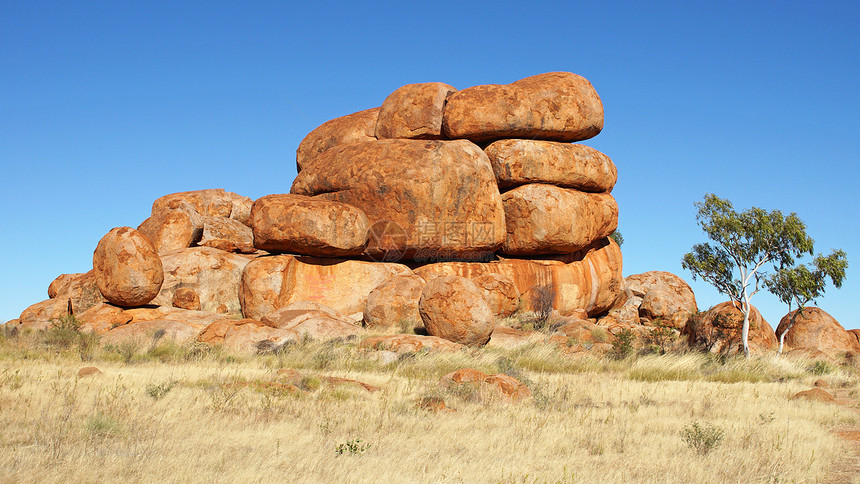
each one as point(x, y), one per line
point(745, 331)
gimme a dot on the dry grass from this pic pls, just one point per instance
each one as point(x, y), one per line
point(187, 415)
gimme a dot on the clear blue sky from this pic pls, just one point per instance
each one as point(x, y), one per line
point(105, 106)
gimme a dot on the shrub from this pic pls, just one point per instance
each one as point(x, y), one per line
point(351, 447)
point(622, 346)
point(702, 438)
point(157, 392)
point(819, 367)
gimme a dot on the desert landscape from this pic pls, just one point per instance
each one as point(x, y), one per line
point(438, 298)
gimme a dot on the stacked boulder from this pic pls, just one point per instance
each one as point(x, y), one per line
point(441, 209)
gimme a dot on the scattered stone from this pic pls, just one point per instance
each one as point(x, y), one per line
point(455, 309)
point(127, 268)
point(246, 335)
point(228, 235)
point(88, 371)
point(719, 330)
point(665, 298)
point(213, 202)
point(313, 324)
point(394, 303)
point(500, 384)
point(816, 394)
point(309, 226)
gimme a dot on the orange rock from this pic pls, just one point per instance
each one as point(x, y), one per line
point(246, 335)
point(558, 106)
point(186, 298)
point(413, 111)
point(510, 338)
point(227, 234)
point(578, 330)
point(88, 371)
point(79, 289)
point(313, 324)
point(545, 219)
point(666, 298)
point(211, 273)
point(176, 226)
point(356, 127)
point(523, 161)
point(198, 319)
point(61, 283)
point(856, 334)
point(103, 317)
point(499, 383)
point(422, 198)
point(500, 292)
point(815, 329)
point(815, 394)
point(40, 316)
point(593, 282)
point(213, 202)
point(394, 303)
point(273, 282)
point(145, 332)
point(409, 343)
point(455, 309)
point(127, 268)
point(303, 225)
point(719, 330)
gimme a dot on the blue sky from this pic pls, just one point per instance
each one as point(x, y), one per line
point(106, 106)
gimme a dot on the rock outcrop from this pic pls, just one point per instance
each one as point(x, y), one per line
point(394, 303)
point(813, 328)
point(355, 127)
point(663, 298)
point(719, 330)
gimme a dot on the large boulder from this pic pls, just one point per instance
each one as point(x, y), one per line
point(589, 280)
point(212, 274)
point(246, 335)
point(227, 234)
point(176, 226)
point(43, 315)
point(212, 202)
point(355, 127)
point(273, 282)
point(522, 161)
point(813, 328)
point(719, 330)
point(421, 197)
point(308, 226)
point(454, 308)
point(60, 282)
point(500, 292)
point(664, 298)
point(413, 111)
point(394, 303)
point(557, 106)
point(79, 290)
point(127, 268)
point(546, 219)
point(198, 319)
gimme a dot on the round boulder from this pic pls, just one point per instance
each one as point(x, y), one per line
point(815, 329)
point(127, 268)
point(719, 330)
point(454, 308)
point(500, 292)
point(413, 111)
point(394, 303)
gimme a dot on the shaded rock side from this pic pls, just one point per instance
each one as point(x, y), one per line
point(421, 197)
point(593, 282)
point(127, 268)
point(273, 282)
point(814, 328)
point(719, 330)
point(308, 226)
point(556, 106)
point(545, 219)
point(413, 111)
point(212, 274)
point(355, 127)
point(227, 234)
point(665, 297)
point(453, 308)
point(79, 289)
point(522, 161)
point(176, 226)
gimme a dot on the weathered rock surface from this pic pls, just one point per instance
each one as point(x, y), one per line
point(213, 202)
point(79, 289)
point(127, 268)
point(60, 283)
point(103, 317)
point(176, 226)
point(524, 161)
point(39, 316)
point(246, 335)
point(815, 394)
point(394, 303)
point(455, 309)
point(309, 226)
point(511, 338)
point(665, 297)
point(545, 219)
point(198, 319)
point(558, 106)
point(500, 292)
point(816, 329)
point(272, 282)
point(719, 330)
point(409, 343)
point(148, 331)
point(227, 234)
point(212, 274)
point(498, 384)
point(413, 111)
point(421, 197)
point(593, 282)
point(313, 324)
point(186, 298)
point(355, 127)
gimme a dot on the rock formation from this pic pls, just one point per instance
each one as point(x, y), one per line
point(719, 330)
point(813, 328)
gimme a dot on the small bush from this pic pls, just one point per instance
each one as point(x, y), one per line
point(819, 367)
point(622, 346)
point(351, 447)
point(157, 392)
point(702, 438)
point(600, 335)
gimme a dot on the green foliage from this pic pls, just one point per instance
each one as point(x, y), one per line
point(702, 438)
point(743, 247)
point(617, 237)
point(622, 345)
point(351, 447)
point(819, 367)
point(157, 392)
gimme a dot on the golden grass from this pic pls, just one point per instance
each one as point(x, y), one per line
point(591, 420)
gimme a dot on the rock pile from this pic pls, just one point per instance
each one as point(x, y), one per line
point(442, 208)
